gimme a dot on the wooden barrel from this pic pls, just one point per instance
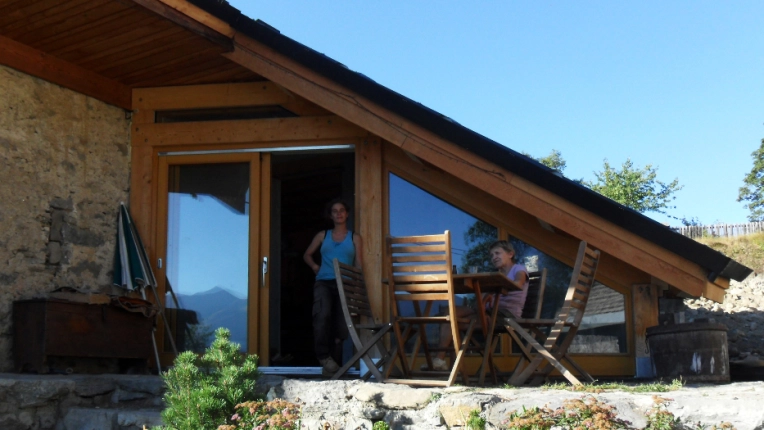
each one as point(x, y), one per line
point(696, 352)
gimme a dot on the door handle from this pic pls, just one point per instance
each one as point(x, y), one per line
point(264, 271)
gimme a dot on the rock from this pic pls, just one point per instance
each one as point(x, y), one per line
point(138, 419)
point(44, 390)
point(140, 384)
point(90, 387)
point(392, 396)
point(90, 419)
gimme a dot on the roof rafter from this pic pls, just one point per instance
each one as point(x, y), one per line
point(37, 63)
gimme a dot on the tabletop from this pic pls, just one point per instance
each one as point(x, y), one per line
point(490, 282)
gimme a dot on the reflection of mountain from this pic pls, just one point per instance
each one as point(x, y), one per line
point(217, 307)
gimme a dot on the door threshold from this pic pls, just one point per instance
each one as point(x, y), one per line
point(302, 371)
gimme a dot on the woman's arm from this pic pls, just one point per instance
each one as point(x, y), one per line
point(308, 256)
point(358, 242)
point(521, 277)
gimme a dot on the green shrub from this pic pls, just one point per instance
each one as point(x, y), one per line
point(202, 391)
point(380, 425)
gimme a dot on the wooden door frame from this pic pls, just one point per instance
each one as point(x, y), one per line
point(258, 243)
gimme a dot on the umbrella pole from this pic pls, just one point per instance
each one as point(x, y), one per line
point(166, 324)
point(154, 341)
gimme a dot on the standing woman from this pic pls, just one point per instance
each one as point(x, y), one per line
point(329, 328)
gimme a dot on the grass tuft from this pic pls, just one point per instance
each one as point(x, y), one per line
point(600, 387)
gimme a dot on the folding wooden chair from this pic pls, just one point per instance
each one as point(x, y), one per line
point(546, 352)
point(419, 273)
point(355, 307)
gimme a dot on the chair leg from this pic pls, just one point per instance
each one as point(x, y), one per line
point(363, 354)
point(543, 354)
point(460, 354)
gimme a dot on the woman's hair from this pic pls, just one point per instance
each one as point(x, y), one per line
point(505, 245)
point(328, 208)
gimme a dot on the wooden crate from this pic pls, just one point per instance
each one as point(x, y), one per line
point(47, 328)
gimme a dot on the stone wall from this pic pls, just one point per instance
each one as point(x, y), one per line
point(742, 312)
point(64, 168)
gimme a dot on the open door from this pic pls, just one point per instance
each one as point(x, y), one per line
point(213, 237)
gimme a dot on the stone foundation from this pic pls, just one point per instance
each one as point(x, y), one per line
point(106, 402)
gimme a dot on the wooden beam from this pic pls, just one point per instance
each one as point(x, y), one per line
point(369, 210)
point(619, 242)
point(722, 282)
point(714, 292)
point(198, 24)
point(200, 16)
point(645, 299)
point(245, 131)
point(211, 96)
point(37, 63)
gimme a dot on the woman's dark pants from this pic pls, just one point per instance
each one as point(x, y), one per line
point(328, 321)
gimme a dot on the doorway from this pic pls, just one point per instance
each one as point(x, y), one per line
point(301, 185)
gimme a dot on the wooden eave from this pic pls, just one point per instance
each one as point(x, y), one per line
point(107, 48)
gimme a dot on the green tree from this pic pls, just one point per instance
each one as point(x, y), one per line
point(554, 161)
point(479, 238)
point(637, 188)
point(753, 191)
point(201, 391)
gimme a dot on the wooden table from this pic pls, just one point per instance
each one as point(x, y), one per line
point(495, 283)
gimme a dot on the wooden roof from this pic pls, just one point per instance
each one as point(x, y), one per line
point(105, 48)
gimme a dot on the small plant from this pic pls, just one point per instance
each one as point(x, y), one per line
point(202, 391)
point(434, 397)
point(659, 417)
point(380, 425)
point(475, 421)
point(587, 412)
point(274, 415)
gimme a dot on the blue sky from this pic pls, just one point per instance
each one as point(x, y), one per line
point(679, 85)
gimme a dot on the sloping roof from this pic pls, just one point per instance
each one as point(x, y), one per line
point(714, 262)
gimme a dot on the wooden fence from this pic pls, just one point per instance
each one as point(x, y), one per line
point(721, 230)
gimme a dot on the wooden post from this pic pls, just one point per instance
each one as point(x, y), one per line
point(369, 218)
point(645, 299)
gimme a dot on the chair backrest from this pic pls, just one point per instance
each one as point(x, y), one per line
point(352, 291)
point(535, 298)
point(419, 269)
point(580, 286)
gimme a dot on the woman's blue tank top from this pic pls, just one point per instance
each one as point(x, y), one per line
point(343, 251)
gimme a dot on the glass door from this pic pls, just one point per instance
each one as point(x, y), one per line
point(215, 209)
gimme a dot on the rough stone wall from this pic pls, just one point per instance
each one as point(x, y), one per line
point(742, 312)
point(64, 168)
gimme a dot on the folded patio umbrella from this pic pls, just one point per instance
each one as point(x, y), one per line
point(131, 266)
point(132, 269)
